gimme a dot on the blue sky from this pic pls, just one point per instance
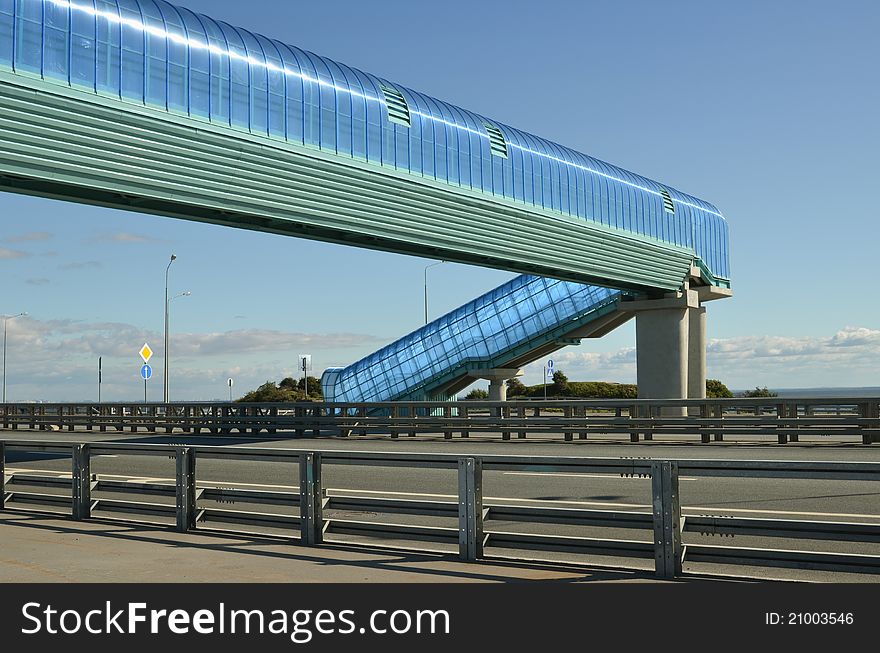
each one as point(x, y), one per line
point(768, 110)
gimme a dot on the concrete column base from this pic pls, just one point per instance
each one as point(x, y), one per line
point(497, 378)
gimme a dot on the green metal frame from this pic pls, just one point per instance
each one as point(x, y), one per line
point(65, 143)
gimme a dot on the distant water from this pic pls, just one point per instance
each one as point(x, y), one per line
point(873, 391)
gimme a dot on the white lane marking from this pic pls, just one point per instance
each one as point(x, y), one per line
point(608, 476)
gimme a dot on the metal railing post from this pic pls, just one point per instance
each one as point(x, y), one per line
point(667, 518)
point(81, 480)
point(470, 508)
point(186, 489)
point(311, 499)
point(2, 475)
point(393, 416)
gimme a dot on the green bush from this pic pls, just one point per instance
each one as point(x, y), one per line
point(717, 390)
point(477, 393)
point(288, 390)
point(759, 392)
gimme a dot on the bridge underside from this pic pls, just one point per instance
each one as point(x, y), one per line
point(63, 143)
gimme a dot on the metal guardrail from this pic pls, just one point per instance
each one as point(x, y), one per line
point(785, 419)
point(184, 502)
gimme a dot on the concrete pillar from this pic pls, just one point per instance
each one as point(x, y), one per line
point(696, 384)
point(497, 377)
point(497, 390)
point(661, 353)
point(662, 346)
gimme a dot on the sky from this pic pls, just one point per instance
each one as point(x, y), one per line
point(769, 110)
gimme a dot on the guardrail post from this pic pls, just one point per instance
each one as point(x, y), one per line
point(867, 417)
point(567, 434)
point(633, 429)
point(447, 416)
point(311, 508)
point(470, 508)
point(521, 413)
point(186, 489)
point(82, 482)
point(465, 415)
point(667, 518)
point(394, 432)
point(2, 475)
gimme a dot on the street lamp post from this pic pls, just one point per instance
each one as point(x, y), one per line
point(6, 319)
point(427, 267)
point(165, 371)
point(167, 337)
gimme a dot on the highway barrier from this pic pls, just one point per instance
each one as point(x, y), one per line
point(480, 530)
point(785, 419)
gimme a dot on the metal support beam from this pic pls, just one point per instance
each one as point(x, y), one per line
point(667, 518)
point(470, 508)
point(311, 498)
point(81, 482)
point(186, 489)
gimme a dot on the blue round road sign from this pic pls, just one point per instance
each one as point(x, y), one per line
point(146, 372)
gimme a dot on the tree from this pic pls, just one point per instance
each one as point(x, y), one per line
point(288, 390)
point(314, 387)
point(760, 392)
point(559, 387)
point(268, 392)
point(288, 383)
point(717, 390)
point(476, 394)
point(515, 388)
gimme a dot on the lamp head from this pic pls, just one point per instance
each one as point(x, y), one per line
point(174, 257)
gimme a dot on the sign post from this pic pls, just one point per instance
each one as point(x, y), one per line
point(305, 364)
point(146, 371)
point(99, 378)
point(548, 374)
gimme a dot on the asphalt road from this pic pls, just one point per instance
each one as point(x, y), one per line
point(839, 501)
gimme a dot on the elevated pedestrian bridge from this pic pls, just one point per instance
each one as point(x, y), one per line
point(141, 105)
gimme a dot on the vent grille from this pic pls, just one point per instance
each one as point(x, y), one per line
point(668, 206)
point(398, 110)
point(497, 144)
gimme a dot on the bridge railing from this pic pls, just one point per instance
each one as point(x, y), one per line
point(462, 519)
point(785, 419)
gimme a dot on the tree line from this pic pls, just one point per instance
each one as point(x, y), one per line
point(563, 387)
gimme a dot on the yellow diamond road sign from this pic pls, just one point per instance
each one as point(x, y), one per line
point(146, 353)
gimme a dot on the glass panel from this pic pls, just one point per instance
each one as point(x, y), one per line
point(6, 31)
point(56, 43)
point(107, 50)
point(132, 79)
point(29, 36)
point(199, 65)
point(177, 54)
point(239, 82)
point(220, 100)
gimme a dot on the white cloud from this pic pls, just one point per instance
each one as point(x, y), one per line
point(31, 237)
point(850, 357)
point(123, 237)
point(80, 265)
point(56, 360)
point(10, 254)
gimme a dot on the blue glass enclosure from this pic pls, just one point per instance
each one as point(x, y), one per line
point(149, 52)
point(486, 332)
